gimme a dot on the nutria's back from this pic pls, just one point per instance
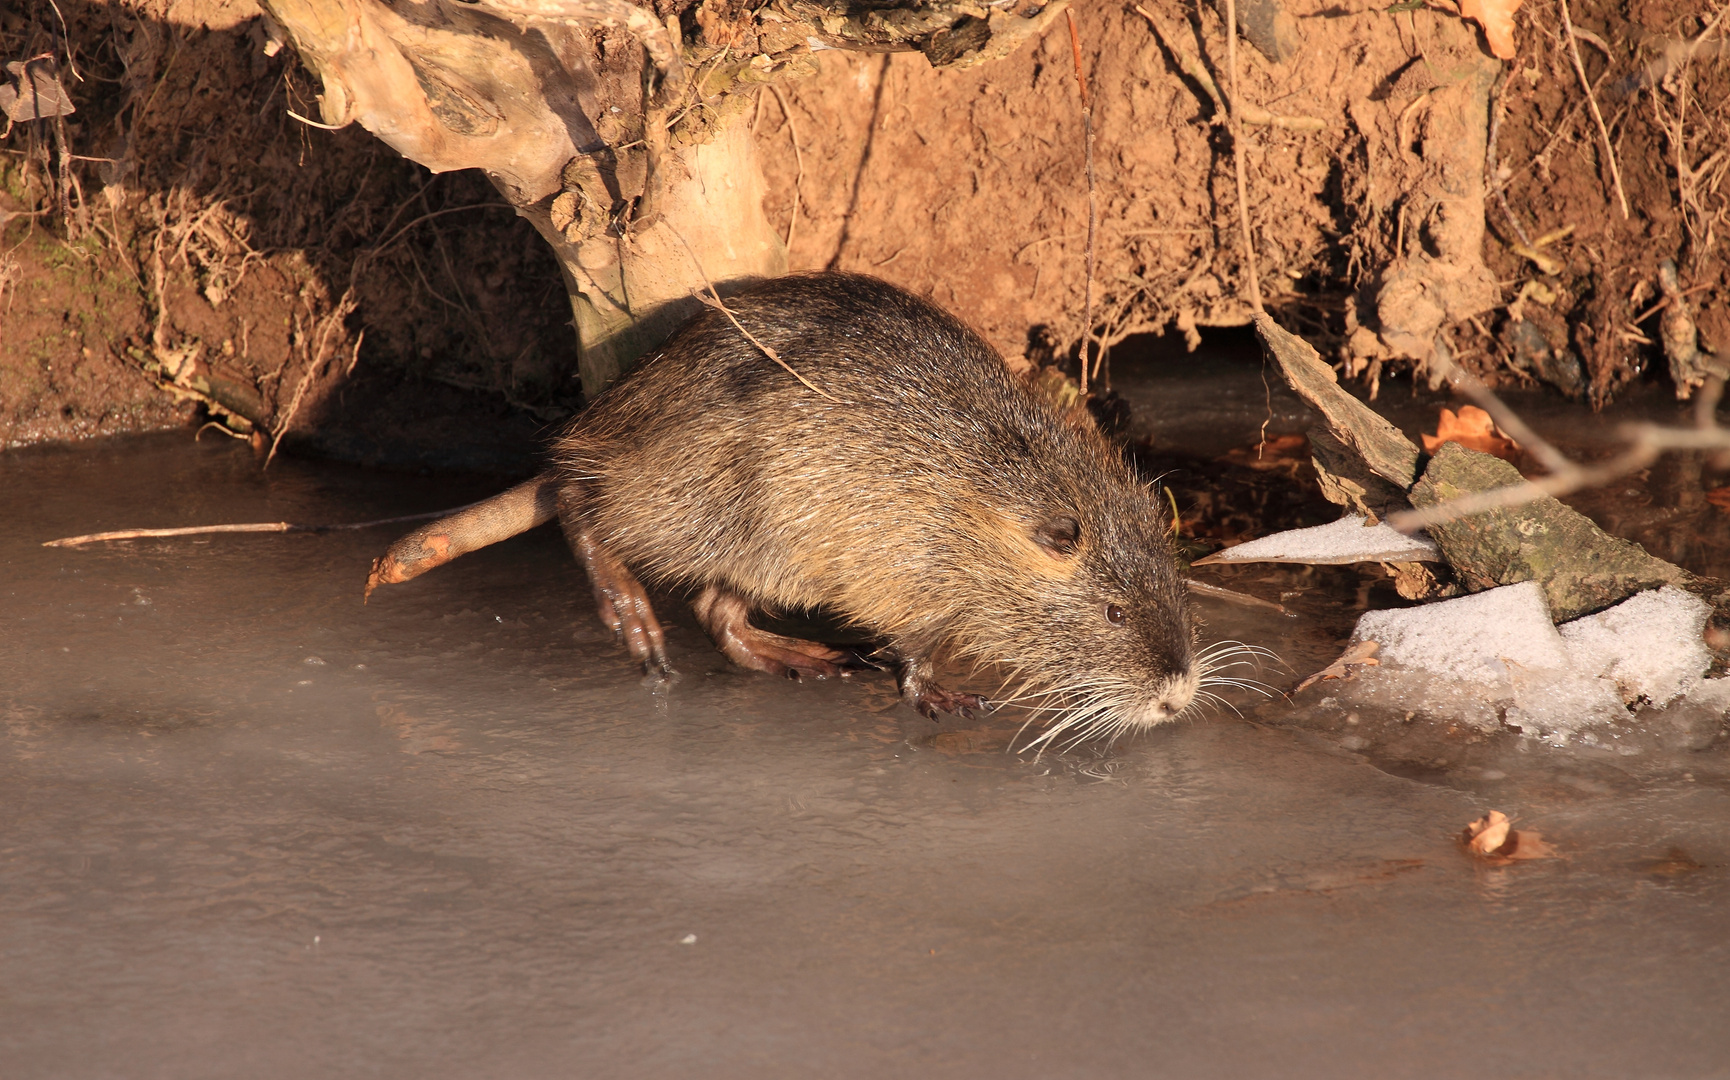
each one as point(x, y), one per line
point(924, 495)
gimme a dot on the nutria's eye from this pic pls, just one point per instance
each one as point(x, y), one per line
point(1059, 535)
point(1114, 615)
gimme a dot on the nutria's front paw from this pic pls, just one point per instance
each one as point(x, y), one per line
point(935, 699)
point(919, 691)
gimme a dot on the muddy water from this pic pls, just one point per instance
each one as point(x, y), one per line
point(251, 827)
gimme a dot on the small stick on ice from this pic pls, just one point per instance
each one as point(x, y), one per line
point(1232, 596)
point(248, 527)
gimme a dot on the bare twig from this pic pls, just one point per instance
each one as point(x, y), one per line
point(1706, 415)
point(1092, 200)
point(252, 527)
point(316, 124)
point(714, 301)
point(1505, 417)
point(1645, 442)
point(1592, 102)
point(1237, 157)
point(354, 354)
point(1492, 162)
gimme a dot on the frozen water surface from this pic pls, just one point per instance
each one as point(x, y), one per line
point(250, 827)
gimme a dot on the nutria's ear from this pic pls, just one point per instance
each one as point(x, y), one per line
point(1059, 535)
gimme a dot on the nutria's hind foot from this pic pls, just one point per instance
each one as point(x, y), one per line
point(919, 691)
point(622, 604)
point(727, 618)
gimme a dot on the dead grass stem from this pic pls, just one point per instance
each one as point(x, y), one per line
point(1253, 281)
point(1087, 338)
point(1592, 103)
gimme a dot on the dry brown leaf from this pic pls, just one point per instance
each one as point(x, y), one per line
point(1488, 833)
point(1473, 429)
point(1497, 19)
point(1719, 497)
point(1359, 654)
point(1493, 838)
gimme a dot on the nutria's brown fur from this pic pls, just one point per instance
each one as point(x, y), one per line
point(924, 496)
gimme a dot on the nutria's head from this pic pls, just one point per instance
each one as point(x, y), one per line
point(1082, 607)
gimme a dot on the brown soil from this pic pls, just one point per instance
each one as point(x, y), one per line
point(214, 223)
point(209, 223)
point(1558, 177)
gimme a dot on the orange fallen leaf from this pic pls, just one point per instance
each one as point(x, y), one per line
point(1719, 497)
point(1473, 429)
point(1497, 19)
point(1493, 837)
point(1361, 654)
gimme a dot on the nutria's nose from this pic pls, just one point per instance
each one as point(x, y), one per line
point(1172, 699)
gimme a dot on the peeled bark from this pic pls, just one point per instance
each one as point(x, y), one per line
point(637, 222)
point(644, 180)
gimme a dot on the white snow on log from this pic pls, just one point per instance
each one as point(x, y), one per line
point(1475, 638)
point(1347, 540)
point(1495, 658)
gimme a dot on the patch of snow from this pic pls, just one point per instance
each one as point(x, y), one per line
point(1650, 645)
point(1713, 694)
point(1470, 658)
point(1476, 639)
point(1347, 540)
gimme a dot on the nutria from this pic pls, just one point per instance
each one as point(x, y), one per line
point(919, 493)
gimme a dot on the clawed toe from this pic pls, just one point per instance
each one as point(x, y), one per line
point(935, 699)
point(930, 699)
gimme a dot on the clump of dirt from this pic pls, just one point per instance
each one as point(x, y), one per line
point(221, 258)
point(182, 244)
point(1583, 311)
point(969, 186)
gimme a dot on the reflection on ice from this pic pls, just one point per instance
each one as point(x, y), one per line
point(254, 828)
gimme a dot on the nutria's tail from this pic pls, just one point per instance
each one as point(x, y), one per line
point(498, 518)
